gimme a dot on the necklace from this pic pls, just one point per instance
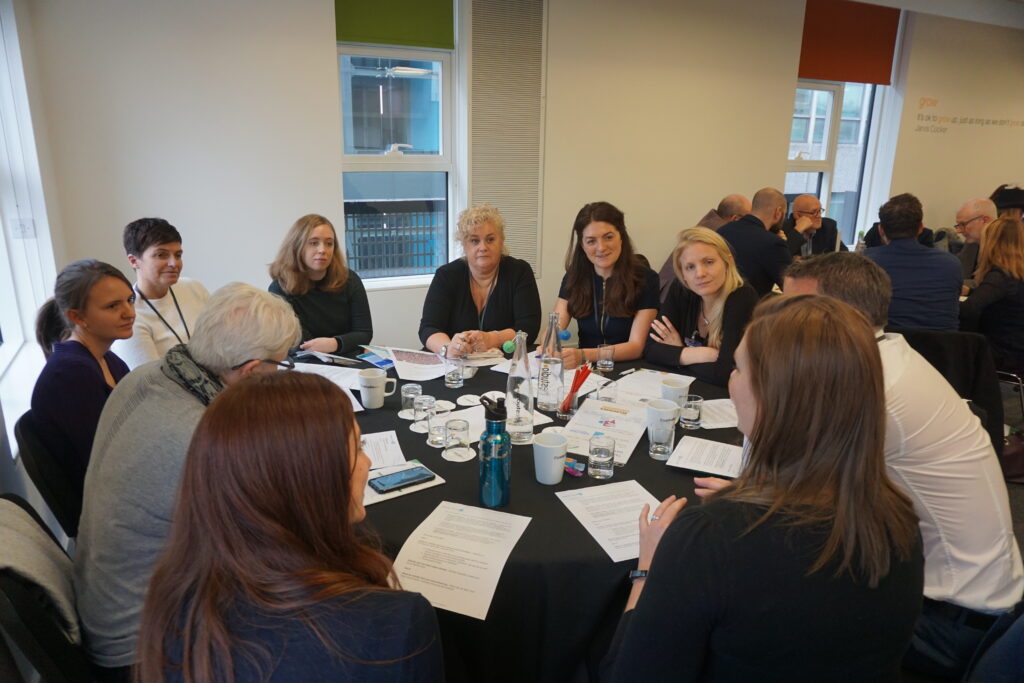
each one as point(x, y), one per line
point(487, 297)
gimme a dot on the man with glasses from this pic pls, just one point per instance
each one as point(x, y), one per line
point(139, 451)
point(971, 220)
point(808, 232)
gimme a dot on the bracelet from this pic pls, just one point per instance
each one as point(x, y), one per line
point(638, 574)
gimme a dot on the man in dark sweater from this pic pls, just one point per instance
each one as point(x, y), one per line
point(971, 221)
point(807, 232)
point(926, 282)
point(761, 255)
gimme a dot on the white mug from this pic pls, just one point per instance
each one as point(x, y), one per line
point(549, 457)
point(372, 387)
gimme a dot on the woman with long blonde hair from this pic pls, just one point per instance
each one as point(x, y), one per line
point(329, 299)
point(702, 318)
point(995, 307)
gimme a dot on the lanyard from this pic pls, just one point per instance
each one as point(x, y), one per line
point(487, 302)
point(167, 324)
point(601, 317)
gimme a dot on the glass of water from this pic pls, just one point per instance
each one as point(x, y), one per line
point(423, 405)
point(605, 358)
point(456, 446)
point(689, 416)
point(602, 457)
point(453, 372)
point(409, 393)
point(436, 420)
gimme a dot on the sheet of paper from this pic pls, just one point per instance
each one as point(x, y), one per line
point(712, 457)
point(646, 384)
point(383, 449)
point(477, 421)
point(609, 513)
point(624, 422)
point(346, 378)
point(719, 413)
point(455, 556)
point(370, 496)
point(417, 366)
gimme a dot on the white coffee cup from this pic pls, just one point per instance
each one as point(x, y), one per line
point(549, 457)
point(674, 390)
point(373, 387)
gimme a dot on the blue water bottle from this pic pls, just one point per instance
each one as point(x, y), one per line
point(495, 456)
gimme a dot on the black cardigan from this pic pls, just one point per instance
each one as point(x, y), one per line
point(682, 308)
point(514, 303)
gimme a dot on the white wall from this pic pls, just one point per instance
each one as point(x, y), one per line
point(960, 69)
point(662, 108)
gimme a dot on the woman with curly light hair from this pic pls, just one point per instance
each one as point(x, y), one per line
point(707, 306)
point(479, 301)
point(329, 299)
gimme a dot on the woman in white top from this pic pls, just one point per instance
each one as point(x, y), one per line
point(166, 304)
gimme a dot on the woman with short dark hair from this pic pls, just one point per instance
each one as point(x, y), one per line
point(92, 305)
point(264, 577)
point(808, 567)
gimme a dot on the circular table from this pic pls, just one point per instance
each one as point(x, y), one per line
point(560, 595)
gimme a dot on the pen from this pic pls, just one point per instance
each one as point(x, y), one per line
point(626, 372)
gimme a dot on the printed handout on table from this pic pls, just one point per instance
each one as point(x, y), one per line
point(346, 378)
point(702, 455)
point(383, 449)
point(719, 413)
point(646, 384)
point(624, 422)
point(609, 513)
point(417, 366)
point(455, 556)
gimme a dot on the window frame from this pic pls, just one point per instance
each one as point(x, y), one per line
point(447, 161)
point(824, 166)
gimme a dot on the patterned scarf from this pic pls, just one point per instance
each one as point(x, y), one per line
point(193, 377)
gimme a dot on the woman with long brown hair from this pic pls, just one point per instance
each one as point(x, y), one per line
point(808, 567)
point(264, 577)
point(606, 288)
point(329, 299)
point(995, 307)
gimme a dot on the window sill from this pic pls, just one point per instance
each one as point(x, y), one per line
point(388, 283)
point(16, 386)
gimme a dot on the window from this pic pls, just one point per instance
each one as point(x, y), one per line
point(827, 144)
point(397, 159)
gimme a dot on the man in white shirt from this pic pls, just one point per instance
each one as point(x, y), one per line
point(939, 453)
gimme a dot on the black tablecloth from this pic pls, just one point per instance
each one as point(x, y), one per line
point(560, 595)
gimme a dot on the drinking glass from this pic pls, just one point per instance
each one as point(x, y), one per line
point(689, 416)
point(605, 358)
point(409, 393)
point(456, 446)
point(602, 457)
point(436, 420)
point(453, 372)
point(422, 406)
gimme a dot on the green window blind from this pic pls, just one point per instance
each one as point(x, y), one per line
point(412, 23)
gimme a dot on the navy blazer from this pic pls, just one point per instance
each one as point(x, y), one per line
point(761, 256)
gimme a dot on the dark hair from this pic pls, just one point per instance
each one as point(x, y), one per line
point(289, 269)
point(141, 234)
point(70, 293)
point(262, 518)
point(626, 282)
point(901, 216)
point(851, 278)
point(802, 350)
point(1008, 197)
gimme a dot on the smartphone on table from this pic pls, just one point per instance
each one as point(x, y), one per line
point(402, 479)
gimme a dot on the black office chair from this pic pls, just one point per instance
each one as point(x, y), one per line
point(29, 617)
point(965, 360)
point(56, 488)
point(1015, 381)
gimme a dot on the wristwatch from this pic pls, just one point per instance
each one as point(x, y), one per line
point(638, 574)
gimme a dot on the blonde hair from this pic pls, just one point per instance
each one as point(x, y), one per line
point(733, 281)
point(289, 269)
point(1002, 246)
point(472, 218)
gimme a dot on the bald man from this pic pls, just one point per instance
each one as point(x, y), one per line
point(971, 220)
point(731, 208)
point(761, 256)
point(808, 232)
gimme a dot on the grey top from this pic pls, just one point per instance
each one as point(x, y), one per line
point(130, 490)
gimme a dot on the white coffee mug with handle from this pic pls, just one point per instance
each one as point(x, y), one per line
point(373, 387)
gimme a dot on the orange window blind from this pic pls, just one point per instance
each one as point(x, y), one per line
point(848, 41)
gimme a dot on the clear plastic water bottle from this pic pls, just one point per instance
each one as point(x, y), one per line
point(519, 394)
point(495, 450)
point(550, 382)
